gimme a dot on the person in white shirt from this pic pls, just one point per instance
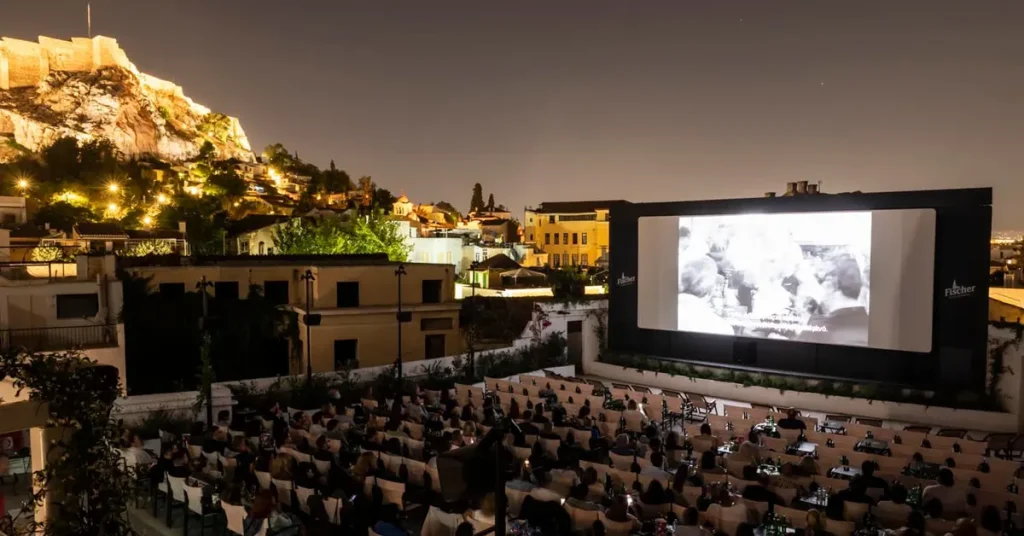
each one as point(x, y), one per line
point(655, 467)
point(953, 500)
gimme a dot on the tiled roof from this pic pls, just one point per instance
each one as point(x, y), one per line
point(104, 230)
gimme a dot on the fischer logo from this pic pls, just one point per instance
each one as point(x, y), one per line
point(957, 291)
point(625, 281)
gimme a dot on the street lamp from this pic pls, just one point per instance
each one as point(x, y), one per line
point(399, 272)
point(202, 285)
point(309, 320)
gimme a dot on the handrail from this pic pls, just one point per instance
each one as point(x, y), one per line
point(60, 338)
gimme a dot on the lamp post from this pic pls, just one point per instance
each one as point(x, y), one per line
point(202, 285)
point(308, 319)
point(473, 266)
point(399, 272)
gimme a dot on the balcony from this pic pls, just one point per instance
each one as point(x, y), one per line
point(54, 339)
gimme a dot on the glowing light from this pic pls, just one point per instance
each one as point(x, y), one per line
point(162, 199)
point(274, 176)
point(68, 196)
point(112, 207)
point(113, 187)
point(147, 221)
point(23, 184)
point(237, 203)
point(194, 190)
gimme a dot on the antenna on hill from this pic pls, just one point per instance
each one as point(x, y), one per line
point(88, 18)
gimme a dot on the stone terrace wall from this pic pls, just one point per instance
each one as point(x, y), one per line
point(26, 63)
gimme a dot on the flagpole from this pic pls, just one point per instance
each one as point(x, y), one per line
point(88, 17)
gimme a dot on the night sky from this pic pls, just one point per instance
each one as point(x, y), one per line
point(565, 100)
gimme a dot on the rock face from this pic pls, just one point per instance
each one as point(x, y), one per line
point(111, 99)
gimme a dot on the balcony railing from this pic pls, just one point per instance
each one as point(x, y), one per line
point(53, 339)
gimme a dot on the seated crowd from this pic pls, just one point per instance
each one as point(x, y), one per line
point(342, 470)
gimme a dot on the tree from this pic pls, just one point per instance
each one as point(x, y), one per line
point(226, 184)
point(63, 215)
point(85, 478)
point(372, 233)
point(148, 247)
point(476, 204)
point(336, 181)
point(204, 222)
point(490, 203)
point(383, 200)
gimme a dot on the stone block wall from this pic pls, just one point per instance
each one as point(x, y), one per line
point(26, 63)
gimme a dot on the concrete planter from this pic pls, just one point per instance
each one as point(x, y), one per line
point(895, 411)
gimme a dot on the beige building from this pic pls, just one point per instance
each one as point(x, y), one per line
point(571, 233)
point(356, 297)
point(59, 306)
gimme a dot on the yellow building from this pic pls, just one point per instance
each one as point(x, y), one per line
point(356, 297)
point(571, 233)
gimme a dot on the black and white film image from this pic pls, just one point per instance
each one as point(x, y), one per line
point(801, 277)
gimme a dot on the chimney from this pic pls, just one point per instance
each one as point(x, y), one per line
point(801, 187)
point(769, 194)
point(181, 227)
point(790, 189)
point(812, 189)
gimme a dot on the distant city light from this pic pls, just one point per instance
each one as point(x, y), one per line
point(162, 199)
point(112, 207)
point(194, 190)
point(113, 187)
point(23, 184)
point(147, 221)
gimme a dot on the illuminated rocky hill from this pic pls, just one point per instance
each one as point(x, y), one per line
point(87, 89)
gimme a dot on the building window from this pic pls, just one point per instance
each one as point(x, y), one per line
point(565, 238)
point(583, 239)
point(583, 259)
point(243, 247)
point(346, 354)
point(547, 238)
point(226, 290)
point(555, 260)
point(431, 291)
point(276, 292)
point(556, 239)
point(77, 305)
point(575, 259)
point(531, 237)
point(433, 346)
point(435, 324)
point(262, 248)
point(577, 217)
point(348, 294)
point(551, 219)
point(565, 259)
point(575, 239)
point(172, 290)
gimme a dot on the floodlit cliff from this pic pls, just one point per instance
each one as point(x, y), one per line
point(87, 89)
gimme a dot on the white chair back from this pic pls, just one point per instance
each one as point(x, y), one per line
point(177, 488)
point(195, 499)
point(284, 490)
point(333, 507)
point(235, 516)
point(323, 466)
point(263, 478)
point(615, 528)
point(302, 495)
point(582, 520)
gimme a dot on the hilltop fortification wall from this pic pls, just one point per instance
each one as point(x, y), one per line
point(26, 63)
